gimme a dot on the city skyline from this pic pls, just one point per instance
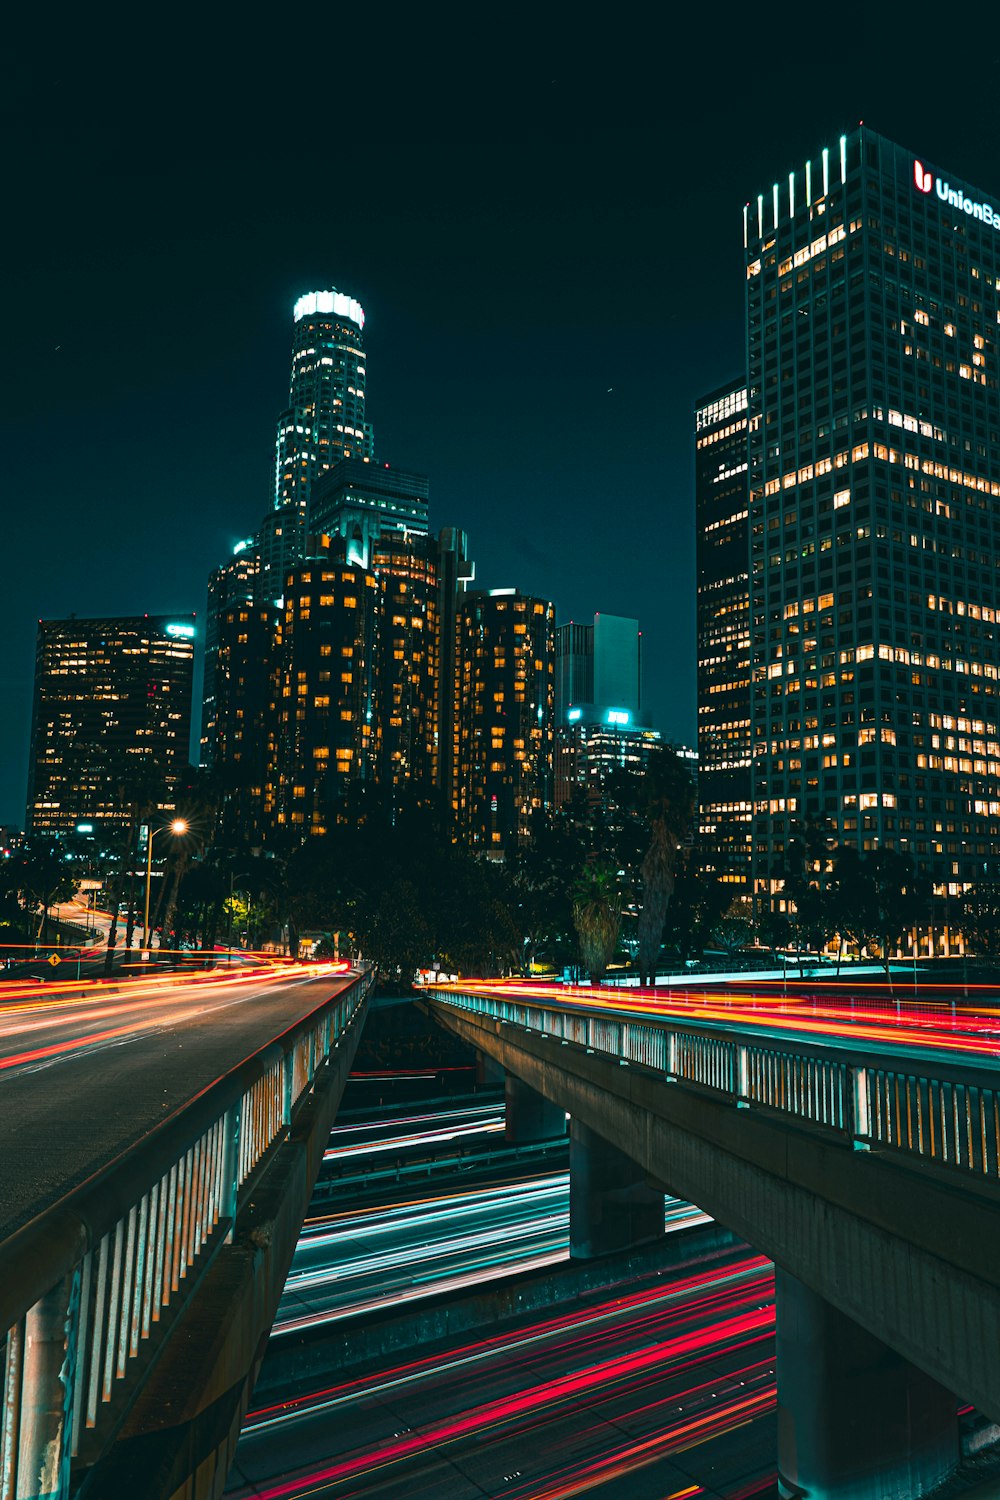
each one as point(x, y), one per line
point(566, 345)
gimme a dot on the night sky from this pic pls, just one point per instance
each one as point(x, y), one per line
point(541, 216)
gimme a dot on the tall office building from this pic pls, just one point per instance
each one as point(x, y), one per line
point(600, 726)
point(406, 672)
point(873, 302)
point(362, 502)
point(244, 705)
point(324, 422)
point(321, 733)
point(723, 622)
point(505, 700)
point(112, 712)
point(234, 583)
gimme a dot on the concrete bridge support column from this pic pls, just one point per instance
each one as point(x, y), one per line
point(529, 1115)
point(488, 1072)
point(611, 1205)
point(856, 1421)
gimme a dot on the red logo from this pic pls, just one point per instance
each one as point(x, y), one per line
point(922, 178)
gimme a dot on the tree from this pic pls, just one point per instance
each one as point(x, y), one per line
point(661, 801)
point(597, 912)
point(980, 918)
point(879, 898)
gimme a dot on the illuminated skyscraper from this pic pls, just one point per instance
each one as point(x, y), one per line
point(324, 422)
point(722, 558)
point(321, 731)
point(873, 302)
point(362, 502)
point(504, 716)
point(112, 712)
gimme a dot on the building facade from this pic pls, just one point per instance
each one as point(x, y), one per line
point(722, 560)
point(232, 584)
point(321, 731)
point(505, 704)
point(112, 714)
point(363, 502)
point(873, 302)
point(324, 422)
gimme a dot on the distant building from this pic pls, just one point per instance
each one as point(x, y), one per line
point(455, 573)
point(600, 725)
point(112, 710)
point(723, 614)
point(244, 699)
point(590, 750)
point(362, 502)
point(235, 582)
point(505, 702)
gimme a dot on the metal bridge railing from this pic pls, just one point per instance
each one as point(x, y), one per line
point(932, 1108)
point(87, 1289)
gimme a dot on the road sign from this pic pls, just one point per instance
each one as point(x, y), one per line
point(55, 960)
point(91, 885)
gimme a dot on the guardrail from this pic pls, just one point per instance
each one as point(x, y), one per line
point(873, 1095)
point(89, 1289)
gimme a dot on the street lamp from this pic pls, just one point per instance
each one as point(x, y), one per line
point(178, 826)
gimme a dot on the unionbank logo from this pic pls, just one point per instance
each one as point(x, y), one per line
point(954, 197)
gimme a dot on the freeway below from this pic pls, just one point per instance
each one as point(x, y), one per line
point(353, 1263)
point(663, 1389)
point(89, 1071)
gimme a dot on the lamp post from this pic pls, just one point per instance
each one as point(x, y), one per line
point(178, 826)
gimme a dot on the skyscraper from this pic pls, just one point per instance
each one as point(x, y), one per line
point(873, 302)
point(321, 733)
point(362, 502)
point(504, 717)
point(323, 423)
point(112, 712)
point(235, 582)
point(723, 611)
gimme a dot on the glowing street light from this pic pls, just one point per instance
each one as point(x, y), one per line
point(178, 826)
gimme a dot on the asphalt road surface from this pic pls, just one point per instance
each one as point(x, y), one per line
point(84, 1078)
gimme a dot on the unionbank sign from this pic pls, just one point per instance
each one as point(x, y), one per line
point(954, 197)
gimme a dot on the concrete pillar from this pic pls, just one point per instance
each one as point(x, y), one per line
point(488, 1072)
point(856, 1421)
point(529, 1115)
point(611, 1205)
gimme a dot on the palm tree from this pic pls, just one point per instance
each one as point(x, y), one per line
point(597, 912)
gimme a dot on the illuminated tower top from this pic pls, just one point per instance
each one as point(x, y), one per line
point(323, 423)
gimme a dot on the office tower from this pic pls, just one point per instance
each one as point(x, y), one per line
point(504, 717)
point(323, 423)
point(321, 734)
point(112, 714)
point(455, 572)
point(362, 502)
point(600, 727)
point(722, 558)
point(599, 664)
point(574, 676)
point(243, 706)
point(406, 672)
point(589, 752)
point(873, 299)
point(235, 582)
